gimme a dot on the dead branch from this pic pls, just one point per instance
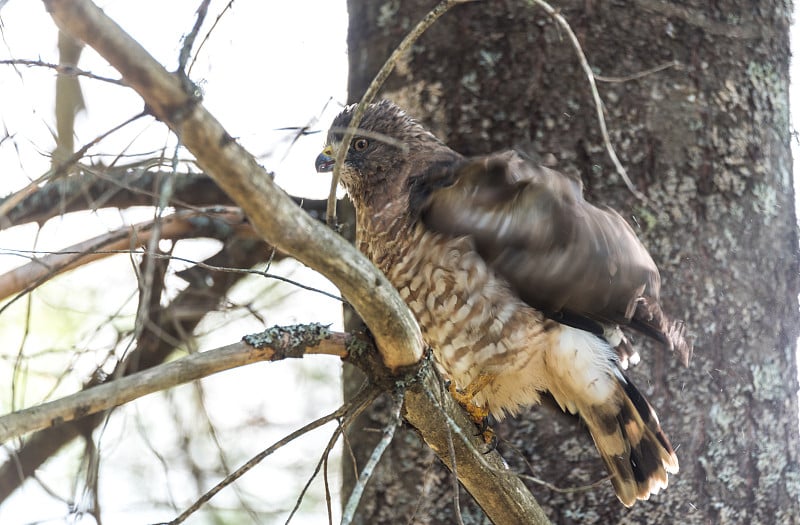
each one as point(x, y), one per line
point(499, 492)
point(180, 225)
point(273, 214)
point(190, 368)
point(97, 187)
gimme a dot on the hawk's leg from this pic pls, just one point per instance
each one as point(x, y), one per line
point(479, 415)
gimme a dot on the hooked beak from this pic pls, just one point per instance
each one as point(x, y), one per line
point(325, 160)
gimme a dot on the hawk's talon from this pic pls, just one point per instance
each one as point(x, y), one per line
point(486, 432)
point(479, 415)
point(490, 438)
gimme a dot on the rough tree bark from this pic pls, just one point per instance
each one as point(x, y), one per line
point(707, 141)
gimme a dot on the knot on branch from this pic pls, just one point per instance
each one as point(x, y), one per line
point(363, 353)
point(289, 341)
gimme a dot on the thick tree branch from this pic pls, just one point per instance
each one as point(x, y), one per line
point(93, 188)
point(273, 214)
point(443, 424)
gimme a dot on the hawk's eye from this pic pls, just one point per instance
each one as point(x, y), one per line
point(360, 144)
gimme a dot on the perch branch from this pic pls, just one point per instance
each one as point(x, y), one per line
point(498, 490)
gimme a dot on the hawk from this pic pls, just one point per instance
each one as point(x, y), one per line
point(519, 285)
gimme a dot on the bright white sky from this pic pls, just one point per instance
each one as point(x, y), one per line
point(268, 65)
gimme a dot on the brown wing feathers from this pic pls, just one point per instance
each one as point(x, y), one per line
point(581, 264)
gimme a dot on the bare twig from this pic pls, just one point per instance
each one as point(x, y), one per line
point(179, 225)
point(640, 74)
point(17, 373)
point(377, 453)
point(56, 171)
point(189, 368)
point(328, 502)
point(188, 42)
point(61, 69)
point(344, 422)
point(598, 102)
point(150, 287)
point(372, 90)
point(451, 451)
point(208, 34)
point(322, 461)
point(359, 402)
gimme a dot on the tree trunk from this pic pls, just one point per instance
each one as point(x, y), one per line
point(707, 141)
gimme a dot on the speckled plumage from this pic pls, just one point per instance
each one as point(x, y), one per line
point(513, 276)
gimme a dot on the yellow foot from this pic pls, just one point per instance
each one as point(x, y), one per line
point(479, 415)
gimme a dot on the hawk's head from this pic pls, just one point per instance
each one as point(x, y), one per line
point(382, 147)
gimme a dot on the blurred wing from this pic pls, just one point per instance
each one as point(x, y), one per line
point(561, 254)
